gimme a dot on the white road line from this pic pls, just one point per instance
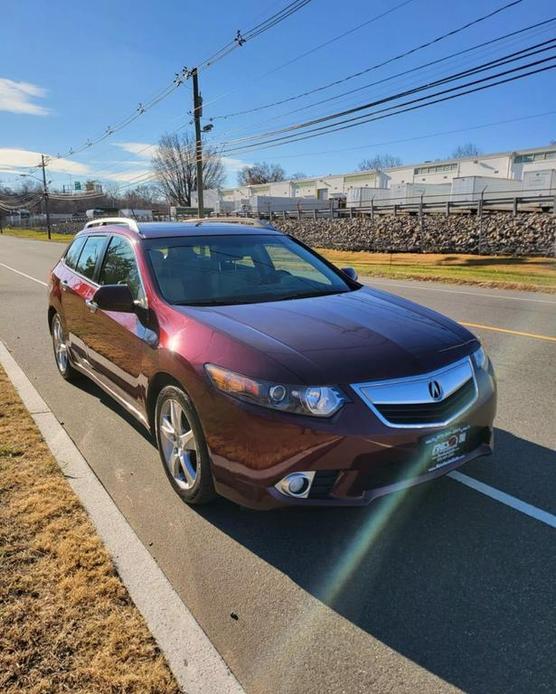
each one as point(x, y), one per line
point(456, 291)
point(503, 498)
point(23, 274)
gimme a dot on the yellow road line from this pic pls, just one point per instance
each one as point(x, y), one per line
point(510, 332)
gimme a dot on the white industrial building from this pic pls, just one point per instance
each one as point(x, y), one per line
point(531, 172)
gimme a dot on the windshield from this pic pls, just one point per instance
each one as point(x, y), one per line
point(218, 270)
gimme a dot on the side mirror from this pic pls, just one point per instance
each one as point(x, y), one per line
point(114, 297)
point(350, 272)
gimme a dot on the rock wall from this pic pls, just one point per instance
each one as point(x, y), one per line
point(497, 233)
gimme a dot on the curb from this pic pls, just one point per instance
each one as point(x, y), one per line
point(193, 660)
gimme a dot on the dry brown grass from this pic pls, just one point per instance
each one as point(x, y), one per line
point(503, 272)
point(67, 623)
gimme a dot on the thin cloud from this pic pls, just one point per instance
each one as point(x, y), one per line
point(143, 150)
point(233, 165)
point(125, 176)
point(17, 97)
point(14, 158)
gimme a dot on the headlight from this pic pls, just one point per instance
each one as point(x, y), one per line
point(319, 401)
point(480, 358)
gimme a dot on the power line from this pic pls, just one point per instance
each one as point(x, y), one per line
point(534, 28)
point(410, 105)
point(243, 142)
point(334, 127)
point(180, 77)
point(320, 46)
point(418, 137)
point(456, 54)
point(512, 57)
point(397, 110)
point(420, 47)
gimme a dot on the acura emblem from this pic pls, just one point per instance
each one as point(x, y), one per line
point(435, 390)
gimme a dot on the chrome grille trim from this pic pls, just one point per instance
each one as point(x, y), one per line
point(414, 390)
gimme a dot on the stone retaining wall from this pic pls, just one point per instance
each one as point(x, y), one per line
point(497, 233)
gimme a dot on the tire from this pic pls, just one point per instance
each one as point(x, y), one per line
point(61, 352)
point(182, 446)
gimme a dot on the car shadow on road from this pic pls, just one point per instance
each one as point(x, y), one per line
point(87, 386)
point(449, 578)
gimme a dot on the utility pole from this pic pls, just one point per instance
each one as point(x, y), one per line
point(197, 113)
point(45, 196)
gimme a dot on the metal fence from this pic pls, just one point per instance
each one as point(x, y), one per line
point(533, 200)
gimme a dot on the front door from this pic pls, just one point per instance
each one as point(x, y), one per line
point(78, 286)
point(115, 340)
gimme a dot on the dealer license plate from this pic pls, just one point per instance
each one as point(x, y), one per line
point(445, 447)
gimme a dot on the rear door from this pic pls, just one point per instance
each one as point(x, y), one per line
point(115, 340)
point(78, 286)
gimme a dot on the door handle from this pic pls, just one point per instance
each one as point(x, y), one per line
point(91, 305)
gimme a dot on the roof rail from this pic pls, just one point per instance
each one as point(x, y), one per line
point(249, 221)
point(121, 221)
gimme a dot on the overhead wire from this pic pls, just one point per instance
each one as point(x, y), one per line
point(533, 29)
point(239, 40)
point(510, 37)
point(359, 120)
point(399, 56)
point(441, 96)
point(512, 57)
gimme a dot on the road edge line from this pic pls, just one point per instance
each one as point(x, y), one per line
point(191, 656)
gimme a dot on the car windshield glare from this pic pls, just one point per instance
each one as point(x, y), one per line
point(222, 270)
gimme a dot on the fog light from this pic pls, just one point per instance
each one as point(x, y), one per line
point(297, 484)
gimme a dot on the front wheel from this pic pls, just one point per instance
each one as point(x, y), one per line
point(182, 446)
point(61, 353)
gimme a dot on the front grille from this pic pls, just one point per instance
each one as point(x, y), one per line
point(429, 412)
point(322, 485)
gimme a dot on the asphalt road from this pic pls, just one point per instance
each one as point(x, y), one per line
point(438, 589)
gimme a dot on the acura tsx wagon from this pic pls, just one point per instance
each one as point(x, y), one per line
point(266, 374)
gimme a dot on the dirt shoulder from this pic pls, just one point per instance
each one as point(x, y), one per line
point(67, 622)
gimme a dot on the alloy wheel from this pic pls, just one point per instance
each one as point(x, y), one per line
point(60, 347)
point(178, 443)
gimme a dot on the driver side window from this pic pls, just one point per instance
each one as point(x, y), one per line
point(120, 267)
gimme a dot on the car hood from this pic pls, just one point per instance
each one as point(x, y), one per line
point(343, 338)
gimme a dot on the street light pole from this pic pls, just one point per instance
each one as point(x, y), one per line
point(45, 196)
point(197, 113)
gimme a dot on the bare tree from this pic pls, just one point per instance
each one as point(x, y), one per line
point(379, 162)
point(176, 170)
point(142, 197)
point(260, 172)
point(297, 175)
point(466, 150)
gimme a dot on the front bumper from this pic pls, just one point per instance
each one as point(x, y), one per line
point(357, 458)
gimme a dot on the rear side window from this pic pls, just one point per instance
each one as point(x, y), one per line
point(89, 256)
point(120, 267)
point(72, 254)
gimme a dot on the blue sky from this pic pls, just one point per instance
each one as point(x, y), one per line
point(68, 70)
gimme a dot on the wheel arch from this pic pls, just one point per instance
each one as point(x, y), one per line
point(51, 314)
point(159, 381)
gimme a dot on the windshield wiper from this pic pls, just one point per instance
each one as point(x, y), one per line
point(249, 299)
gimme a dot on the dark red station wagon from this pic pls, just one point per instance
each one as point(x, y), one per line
point(266, 374)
